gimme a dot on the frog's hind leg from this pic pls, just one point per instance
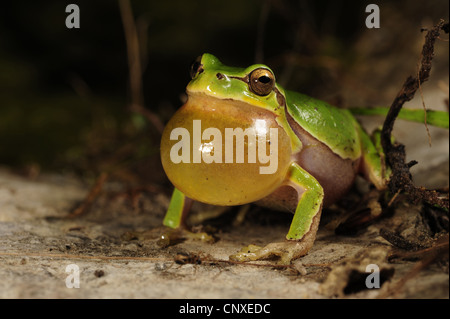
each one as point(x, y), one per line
point(373, 164)
point(303, 229)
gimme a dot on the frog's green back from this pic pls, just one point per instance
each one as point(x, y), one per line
point(334, 127)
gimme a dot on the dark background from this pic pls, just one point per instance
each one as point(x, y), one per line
point(65, 92)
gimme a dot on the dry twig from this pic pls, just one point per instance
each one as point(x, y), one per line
point(135, 65)
point(438, 251)
point(401, 179)
point(93, 194)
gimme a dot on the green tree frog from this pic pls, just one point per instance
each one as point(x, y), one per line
point(241, 138)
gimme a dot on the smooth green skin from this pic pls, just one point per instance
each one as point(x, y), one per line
point(334, 127)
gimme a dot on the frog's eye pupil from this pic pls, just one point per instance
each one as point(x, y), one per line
point(261, 81)
point(264, 79)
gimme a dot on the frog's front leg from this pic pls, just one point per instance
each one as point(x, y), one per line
point(178, 209)
point(305, 223)
point(175, 218)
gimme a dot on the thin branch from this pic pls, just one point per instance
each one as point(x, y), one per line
point(92, 195)
point(401, 178)
point(425, 113)
point(135, 65)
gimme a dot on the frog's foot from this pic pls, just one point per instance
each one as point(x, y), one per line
point(200, 236)
point(286, 251)
point(175, 236)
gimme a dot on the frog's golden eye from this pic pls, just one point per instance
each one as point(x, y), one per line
point(261, 81)
point(196, 67)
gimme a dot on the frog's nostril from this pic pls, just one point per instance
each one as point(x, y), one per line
point(220, 76)
point(196, 67)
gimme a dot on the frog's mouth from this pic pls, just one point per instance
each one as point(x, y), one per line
point(226, 108)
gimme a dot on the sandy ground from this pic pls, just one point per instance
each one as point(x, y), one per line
point(115, 246)
point(116, 252)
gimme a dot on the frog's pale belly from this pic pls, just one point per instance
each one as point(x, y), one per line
point(335, 174)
